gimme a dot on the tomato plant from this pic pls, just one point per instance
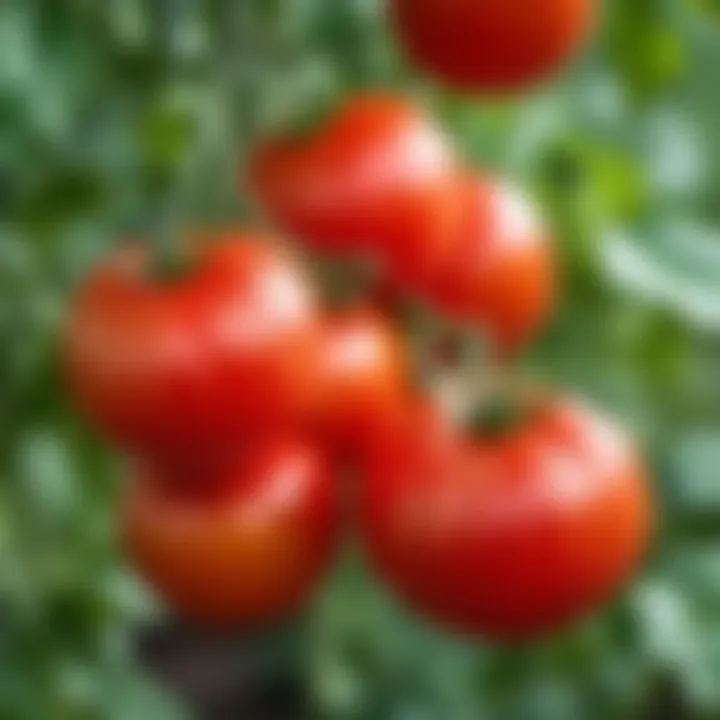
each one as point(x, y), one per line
point(375, 180)
point(364, 370)
point(511, 535)
point(492, 45)
point(500, 276)
point(249, 552)
point(139, 114)
point(193, 364)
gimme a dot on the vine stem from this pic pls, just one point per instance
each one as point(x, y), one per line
point(478, 388)
point(474, 379)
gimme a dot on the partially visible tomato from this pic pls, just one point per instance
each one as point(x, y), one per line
point(247, 554)
point(193, 365)
point(508, 536)
point(501, 275)
point(492, 46)
point(376, 180)
point(364, 377)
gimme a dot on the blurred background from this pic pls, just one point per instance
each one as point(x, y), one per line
point(119, 116)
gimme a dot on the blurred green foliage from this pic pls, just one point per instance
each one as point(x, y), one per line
point(122, 116)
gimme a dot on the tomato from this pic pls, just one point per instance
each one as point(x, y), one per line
point(507, 536)
point(364, 372)
point(246, 555)
point(376, 180)
point(494, 46)
point(501, 274)
point(192, 365)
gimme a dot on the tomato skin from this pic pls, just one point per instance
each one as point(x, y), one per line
point(376, 181)
point(492, 46)
point(191, 366)
point(244, 556)
point(501, 276)
point(364, 370)
point(512, 537)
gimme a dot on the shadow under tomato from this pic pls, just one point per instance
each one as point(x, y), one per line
point(224, 676)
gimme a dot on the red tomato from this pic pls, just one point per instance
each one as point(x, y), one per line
point(193, 365)
point(493, 46)
point(244, 556)
point(501, 274)
point(363, 369)
point(376, 180)
point(513, 536)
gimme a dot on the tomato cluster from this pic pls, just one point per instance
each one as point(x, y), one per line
point(240, 397)
point(379, 182)
point(244, 399)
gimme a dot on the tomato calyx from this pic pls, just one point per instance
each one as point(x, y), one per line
point(303, 124)
point(344, 283)
point(169, 268)
point(171, 258)
point(496, 418)
point(503, 411)
point(481, 394)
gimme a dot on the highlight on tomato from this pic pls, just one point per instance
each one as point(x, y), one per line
point(246, 554)
point(492, 46)
point(501, 276)
point(192, 364)
point(375, 180)
point(508, 535)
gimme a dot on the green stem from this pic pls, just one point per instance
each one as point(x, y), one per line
point(480, 392)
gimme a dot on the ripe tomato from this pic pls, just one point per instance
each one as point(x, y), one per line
point(492, 45)
point(501, 274)
point(194, 364)
point(247, 554)
point(376, 180)
point(363, 368)
point(507, 537)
